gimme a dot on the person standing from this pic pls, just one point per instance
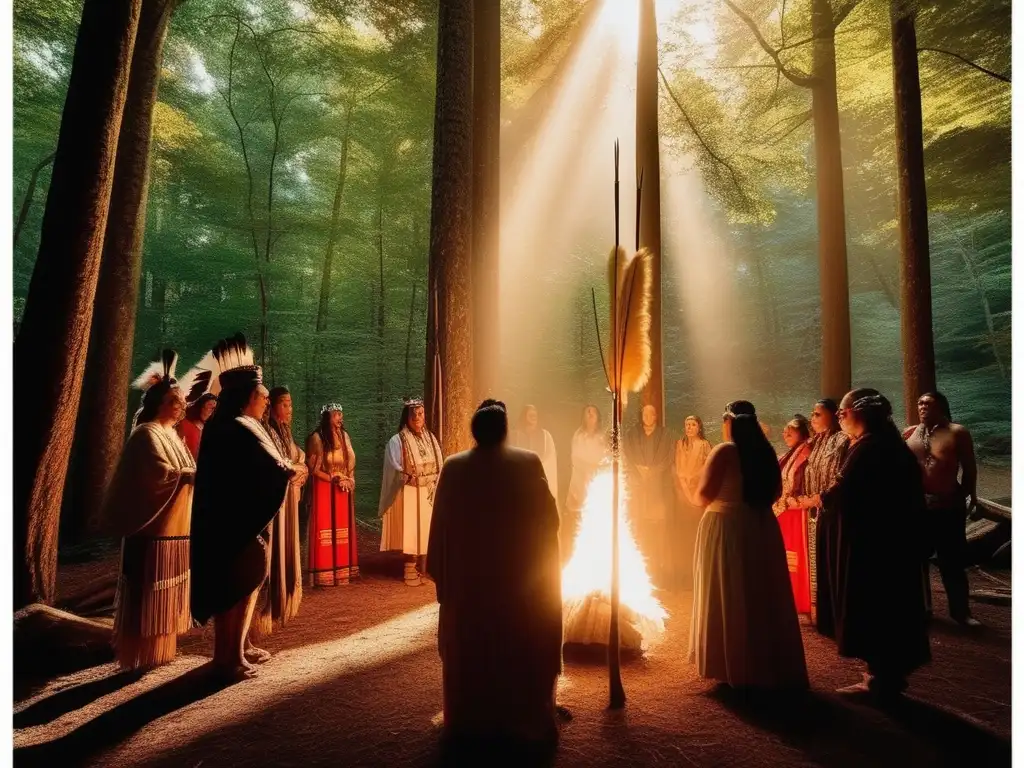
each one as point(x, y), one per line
point(197, 414)
point(412, 463)
point(791, 516)
point(149, 504)
point(241, 482)
point(589, 451)
point(531, 436)
point(281, 593)
point(692, 451)
point(945, 452)
point(881, 547)
point(494, 559)
point(332, 518)
point(744, 629)
point(828, 450)
point(647, 449)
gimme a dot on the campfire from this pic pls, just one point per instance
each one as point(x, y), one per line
point(586, 579)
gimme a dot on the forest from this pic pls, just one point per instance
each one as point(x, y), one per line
point(288, 195)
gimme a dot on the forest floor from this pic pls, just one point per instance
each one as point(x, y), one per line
point(356, 681)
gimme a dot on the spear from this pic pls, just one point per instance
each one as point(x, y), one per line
point(616, 693)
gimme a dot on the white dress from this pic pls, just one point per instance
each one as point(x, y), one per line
point(744, 629)
point(412, 465)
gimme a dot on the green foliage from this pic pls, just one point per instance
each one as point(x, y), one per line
point(234, 197)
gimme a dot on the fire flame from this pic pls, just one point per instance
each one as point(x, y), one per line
point(589, 570)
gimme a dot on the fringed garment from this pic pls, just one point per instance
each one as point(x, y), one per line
point(332, 520)
point(828, 451)
point(412, 464)
point(281, 593)
point(150, 506)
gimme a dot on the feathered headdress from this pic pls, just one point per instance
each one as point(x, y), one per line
point(630, 284)
point(158, 371)
point(229, 364)
point(155, 382)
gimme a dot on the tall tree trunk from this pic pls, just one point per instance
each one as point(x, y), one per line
point(26, 204)
point(912, 206)
point(486, 192)
point(449, 400)
point(382, 420)
point(648, 159)
point(50, 351)
point(835, 290)
point(102, 414)
point(332, 238)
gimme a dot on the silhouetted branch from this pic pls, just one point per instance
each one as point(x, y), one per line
point(795, 77)
point(968, 62)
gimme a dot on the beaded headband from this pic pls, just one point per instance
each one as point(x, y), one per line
point(331, 407)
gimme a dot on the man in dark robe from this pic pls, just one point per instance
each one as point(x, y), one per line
point(649, 454)
point(493, 555)
point(241, 482)
point(875, 569)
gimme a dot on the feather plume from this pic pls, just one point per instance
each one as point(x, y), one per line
point(629, 355)
point(195, 383)
point(227, 354)
point(158, 370)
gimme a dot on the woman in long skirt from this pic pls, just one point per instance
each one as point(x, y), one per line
point(332, 519)
point(744, 630)
point(791, 516)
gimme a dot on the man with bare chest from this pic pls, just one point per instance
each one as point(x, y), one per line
point(945, 452)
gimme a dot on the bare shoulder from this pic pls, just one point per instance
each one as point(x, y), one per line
point(960, 433)
point(723, 452)
point(909, 432)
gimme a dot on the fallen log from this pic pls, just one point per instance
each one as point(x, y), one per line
point(50, 641)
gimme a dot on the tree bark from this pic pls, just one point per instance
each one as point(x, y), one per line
point(912, 207)
point(26, 204)
point(648, 158)
point(332, 238)
point(835, 290)
point(102, 414)
point(449, 398)
point(50, 351)
point(486, 193)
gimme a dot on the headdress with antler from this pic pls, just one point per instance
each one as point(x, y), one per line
point(155, 382)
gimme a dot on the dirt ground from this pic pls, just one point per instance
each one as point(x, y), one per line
point(356, 681)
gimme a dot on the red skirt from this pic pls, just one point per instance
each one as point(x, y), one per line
point(793, 523)
point(332, 536)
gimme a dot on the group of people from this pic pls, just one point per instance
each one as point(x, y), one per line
point(859, 508)
point(206, 498)
point(207, 493)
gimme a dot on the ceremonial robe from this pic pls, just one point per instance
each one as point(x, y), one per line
point(241, 482)
point(494, 558)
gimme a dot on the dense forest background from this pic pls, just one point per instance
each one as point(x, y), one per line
point(292, 149)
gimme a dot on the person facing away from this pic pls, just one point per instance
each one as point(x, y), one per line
point(744, 629)
point(945, 453)
point(494, 559)
point(531, 436)
point(149, 504)
point(241, 482)
point(875, 570)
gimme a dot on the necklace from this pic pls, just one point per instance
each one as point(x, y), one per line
point(926, 440)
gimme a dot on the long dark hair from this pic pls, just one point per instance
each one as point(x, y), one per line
point(940, 400)
point(875, 410)
point(195, 410)
point(283, 431)
point(407, 411)
point(327, 434)
point(232, 401)
point(762, 478)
